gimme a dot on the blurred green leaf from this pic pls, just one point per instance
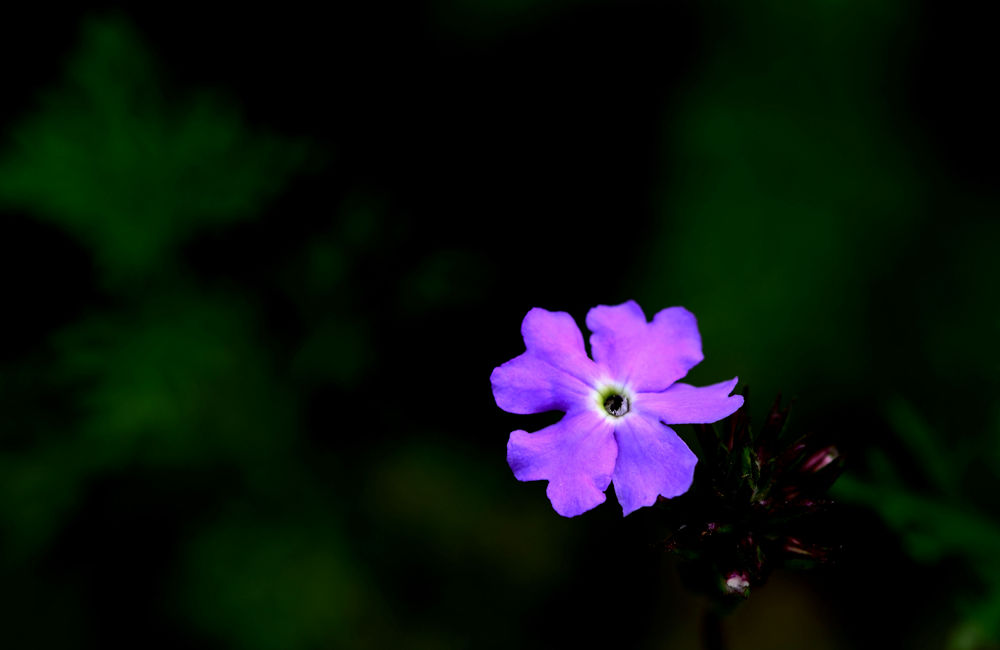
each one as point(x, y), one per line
point(923, 443)
point(981, 628)
point(931, 528)
point(129, 168)
point(181, 379)
point(936, 526)
point(38, 488)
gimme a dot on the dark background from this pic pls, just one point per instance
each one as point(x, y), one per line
point(258, 265)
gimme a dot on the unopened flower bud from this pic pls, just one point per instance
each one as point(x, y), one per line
point(738, 583)
point(820, 459)
point(796, 547)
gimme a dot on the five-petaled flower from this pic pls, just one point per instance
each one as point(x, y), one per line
point(617, 405)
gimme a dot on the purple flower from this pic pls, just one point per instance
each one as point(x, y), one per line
point(617, 405)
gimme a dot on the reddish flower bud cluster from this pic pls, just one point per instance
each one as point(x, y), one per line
point(755, 503)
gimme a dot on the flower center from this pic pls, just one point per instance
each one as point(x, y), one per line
point(616, 405)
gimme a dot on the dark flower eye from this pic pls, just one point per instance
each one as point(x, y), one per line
point(616, 405)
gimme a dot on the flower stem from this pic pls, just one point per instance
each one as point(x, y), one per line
point(711, 630)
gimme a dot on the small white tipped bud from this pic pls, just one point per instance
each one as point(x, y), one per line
point(738, 583)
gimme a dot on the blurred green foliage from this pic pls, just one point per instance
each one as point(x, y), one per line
point(936, 519)
point(791, 187)
point(176, 377)
point(187, 382)
point(115, 158)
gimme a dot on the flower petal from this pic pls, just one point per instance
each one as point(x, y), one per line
point(555, 337)
point(652, 461)
point(527, 384)
point(687, 404)
point(575, 455)
point(553, 374)
point(649, 356)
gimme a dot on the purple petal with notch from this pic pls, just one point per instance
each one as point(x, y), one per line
point(652, 461)
point(553, 374)
point(648, 356)
point(575, 455)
